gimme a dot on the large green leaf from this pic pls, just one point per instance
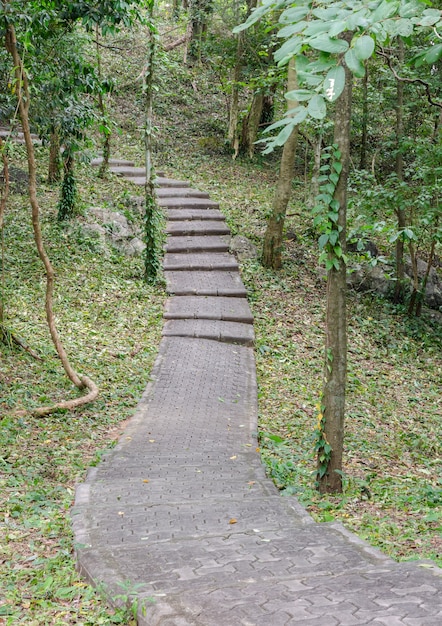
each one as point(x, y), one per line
point(334, 83)
point(317, 107)
point(294, 14)
point(434, 54)
point(291, 29)
point(364, 47)
point(299, 95)
point(385, 9)
point(289, 48)
point(327, 44)
point(354, 64)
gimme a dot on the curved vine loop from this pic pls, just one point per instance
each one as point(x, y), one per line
point(23, 97)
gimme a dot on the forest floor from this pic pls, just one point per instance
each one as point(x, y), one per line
point(110, 322)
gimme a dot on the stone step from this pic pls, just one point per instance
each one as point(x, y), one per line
point(205, 283)
point(204, 243)
point(197, 227)
point(112, 162)
point(200, 261)
point(174, 215)
point(163, 181)
point(181, 192)
point(188, 203)
point(217, 330)
point(17, 135)
point(208, 307)
point(128, 171)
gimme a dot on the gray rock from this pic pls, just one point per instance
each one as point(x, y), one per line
point(134, 247)
point(117, 226)
point(243, 248)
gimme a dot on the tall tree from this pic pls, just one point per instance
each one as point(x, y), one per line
point(339, 36)
point(272, 247)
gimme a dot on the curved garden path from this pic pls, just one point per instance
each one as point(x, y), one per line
point(180, 515)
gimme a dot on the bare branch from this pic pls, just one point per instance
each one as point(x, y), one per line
point(381, 52)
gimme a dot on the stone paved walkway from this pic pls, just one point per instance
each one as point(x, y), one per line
point(180, 512)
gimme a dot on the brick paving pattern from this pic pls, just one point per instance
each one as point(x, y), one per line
point(181, 512)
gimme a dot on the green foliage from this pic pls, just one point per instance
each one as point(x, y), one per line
point(152, 239)
point(68, 196)
point(326, 210)
point(322, 35)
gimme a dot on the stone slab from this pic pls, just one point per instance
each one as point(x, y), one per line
point(194, 214)
point(200, 261)
point(197, 244)
point(181, 192)
point(113, 162)
point(163, 181)
point(217, 330)
point(197, 227)
point(203, 283)
point(128, 171)
point(188, 203)
point(208, 307)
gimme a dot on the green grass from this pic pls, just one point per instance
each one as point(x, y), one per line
point(109, 321)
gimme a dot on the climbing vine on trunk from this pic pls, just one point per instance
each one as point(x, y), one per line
point(24, 98)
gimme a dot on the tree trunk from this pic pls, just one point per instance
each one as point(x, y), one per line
point(399, 290)
point(272, 248)
point(23, 97)
point(151, 217)
point(250, 125)
point(335, 370)
point(104, 167)
point(3, 202)
point(232, 134)
point(364, 133)
point(199, 15)
point(68, 195)
point(54, 157)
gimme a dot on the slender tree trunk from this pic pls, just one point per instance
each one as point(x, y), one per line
point(68, 195)
point(335, 370)
point(272, 248)
point(232, 134)
point(104, 167)
point(3, 202)
point(54, 157)
point(234, 98)
point(399, 291)
point(364, 134)
point(151, 218)
point(23, 97)
point(251, 124)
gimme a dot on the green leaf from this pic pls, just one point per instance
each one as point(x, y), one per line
point(289, 48)
point(336, 28)
point(299, 95)
point(317, 107)
point(386, 9)
point(327, 44)
point(334, 83)
point(337, 166)
point(364, 47)
point(291, 29)
point(323, 241)
point(434, 54)
point(316, 28)
point(429, 17)
point(294, 14)
point(257, 14)
point(354, 64)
